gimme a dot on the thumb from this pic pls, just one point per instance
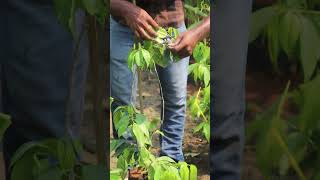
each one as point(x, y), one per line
point(176, 41)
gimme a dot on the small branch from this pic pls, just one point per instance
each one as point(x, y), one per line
point(201, 112)
point(139, 79)
point(140, 89)
point(75, 61)
point(98, 98)
point(161, 94)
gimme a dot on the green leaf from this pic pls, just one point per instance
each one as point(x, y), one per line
point(298, 145)
point(194, 106)
point(195, 10)
point(103, 11)
point(42, 164)
point(206, 76)
point(174, 56)
point(309, 52)
point(158, 40)
point(200, 74)
point(115, 174)
point(201, 52)
point(145, 157)
point(91, 172)
point(196, 72)
point(146, 57)
point(159, 132)
point(153, 124)
point(290, 29)
point(23, 168)
point(259, 20)
point(273, 41)
point(191, 68)
point(63, 11)
point(165, 159)
point(199, 127)
point(162, 33)
point(140, 119)
point(4, 124)
point(316, 176)
point(309, 105)
point(272, 139)
point(284, 165)
point(148, 45)
point(51, 174)
point(206, 131)
point(122, 125)
point(206, 96)
point(30, 147)
point(144, 129)
point(193, 172)
point(184, 171)
point(138, 58)
point(173, 32)
point(264, 129)
point(117, 114)
point(295, 4)
point(168, 175)
point(139, 135)
point(122, 164)
point(77, 146)
point(92, 6)
point(115, 143)
point(66, 154)
point(131, 59)
point(72, 19)
point(156, 172)
point(169, 172)
point(157, 56)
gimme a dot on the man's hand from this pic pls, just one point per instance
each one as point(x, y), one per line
point(139, 21)
point(186, 41)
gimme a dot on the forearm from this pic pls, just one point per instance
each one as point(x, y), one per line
point(119, 7)
point(203, 29)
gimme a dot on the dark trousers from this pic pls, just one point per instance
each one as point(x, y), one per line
point(35, 66)
point(230, 29)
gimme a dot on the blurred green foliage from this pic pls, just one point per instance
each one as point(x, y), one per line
point(289, 146)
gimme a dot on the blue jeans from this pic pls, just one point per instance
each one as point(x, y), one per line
point(230, 31)
point(35, 66)
point(173, 80)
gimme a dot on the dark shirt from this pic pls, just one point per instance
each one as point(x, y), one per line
point(165, 12)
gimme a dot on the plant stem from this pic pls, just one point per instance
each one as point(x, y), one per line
point(139, 78)
point(75, 55)
point(161, 94)
point(140, 89)
point(68, 106)
point(106, 51)
point(98, 96)
point(201, 112)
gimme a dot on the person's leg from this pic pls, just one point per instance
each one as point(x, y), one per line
point(229, 41)
point(174, 87)
point(36, 73)
point(123, 88)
